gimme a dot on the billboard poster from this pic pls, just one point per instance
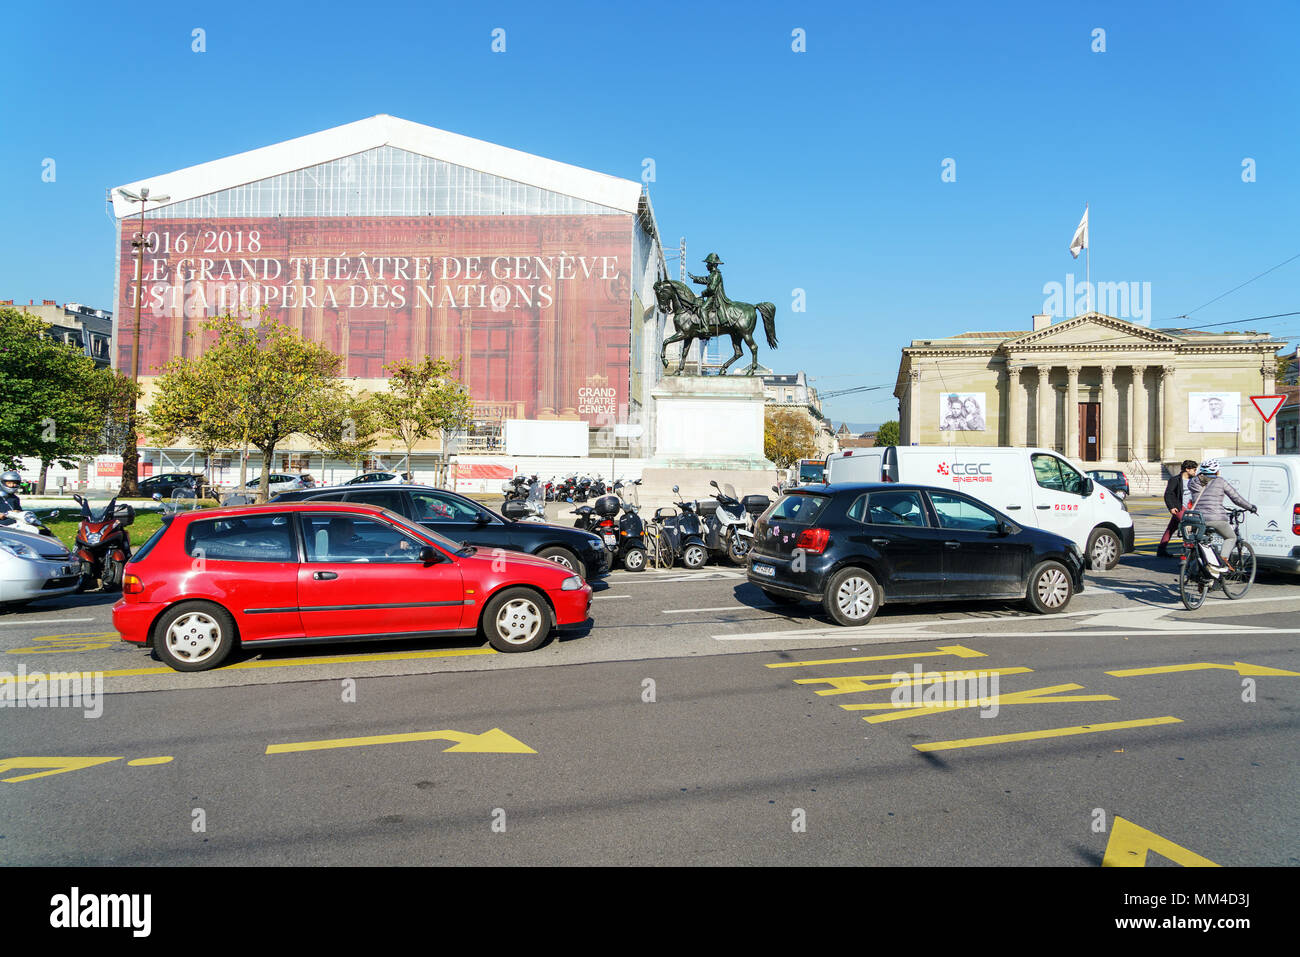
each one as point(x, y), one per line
point(536, 308)
point(1213, 411)
point(961, 412)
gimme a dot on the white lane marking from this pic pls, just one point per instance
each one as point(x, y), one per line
point(685, 611)
point(607, 597)
point(45, 621)
point(885, 637)
point(690, 577)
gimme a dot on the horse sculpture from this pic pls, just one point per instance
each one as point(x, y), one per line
point(739, 320)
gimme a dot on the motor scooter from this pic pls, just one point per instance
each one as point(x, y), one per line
point(680, 530)
point(103, 543)
point(27, 521)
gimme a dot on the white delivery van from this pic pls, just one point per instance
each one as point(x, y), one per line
point(1036, 487)
point(1272, 484)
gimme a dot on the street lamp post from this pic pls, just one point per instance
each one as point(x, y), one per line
point(130, 454)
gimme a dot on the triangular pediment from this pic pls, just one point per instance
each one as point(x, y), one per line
point(1093, 329)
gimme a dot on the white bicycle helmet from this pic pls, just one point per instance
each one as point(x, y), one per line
point(1210, 467)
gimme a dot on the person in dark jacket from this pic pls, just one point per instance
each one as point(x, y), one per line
point(1176, 495)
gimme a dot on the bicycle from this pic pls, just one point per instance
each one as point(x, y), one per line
point(1194, 579)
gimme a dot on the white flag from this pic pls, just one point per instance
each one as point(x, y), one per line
point(1080, 240)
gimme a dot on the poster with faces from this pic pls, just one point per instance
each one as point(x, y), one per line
point(1213, 411)
point(961, 412)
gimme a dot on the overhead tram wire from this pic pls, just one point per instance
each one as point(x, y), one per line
point(1270, 269)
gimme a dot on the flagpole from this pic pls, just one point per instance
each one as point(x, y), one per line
point(1087, 257)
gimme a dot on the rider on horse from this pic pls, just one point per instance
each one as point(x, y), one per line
point(713, 298)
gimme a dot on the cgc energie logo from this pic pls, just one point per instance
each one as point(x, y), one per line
point(966, 471)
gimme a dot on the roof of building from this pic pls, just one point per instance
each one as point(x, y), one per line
point(373, 132)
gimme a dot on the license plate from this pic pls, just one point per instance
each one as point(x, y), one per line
point(766, 570)
point(610, 539)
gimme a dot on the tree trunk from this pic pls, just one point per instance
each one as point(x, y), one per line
point(40, 481)
point(264, 486)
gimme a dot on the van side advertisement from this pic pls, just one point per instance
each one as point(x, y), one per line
point(536, 308)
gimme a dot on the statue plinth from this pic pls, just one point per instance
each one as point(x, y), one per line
point(707, 427)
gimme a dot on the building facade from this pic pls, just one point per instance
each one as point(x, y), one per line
point(1288, 417)
point(86, 329)
point(1096, 388)
point(386, 240)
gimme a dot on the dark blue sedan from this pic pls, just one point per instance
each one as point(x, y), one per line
point(854, 547)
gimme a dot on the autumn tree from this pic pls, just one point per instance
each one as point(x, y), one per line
point(788, 436)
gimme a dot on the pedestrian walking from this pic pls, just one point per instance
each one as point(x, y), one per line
point(1177, 495)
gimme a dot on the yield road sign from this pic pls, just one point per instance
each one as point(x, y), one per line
point(1267, 405)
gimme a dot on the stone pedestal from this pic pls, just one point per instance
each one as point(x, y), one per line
point(707, 427)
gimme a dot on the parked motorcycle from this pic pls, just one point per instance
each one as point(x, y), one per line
point(679, 528)
point(26, 521)
point(103, 543)
point(532, 508)
point(730, 529)
point(631, 548)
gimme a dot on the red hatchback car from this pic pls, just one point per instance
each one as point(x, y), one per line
point(274, 575)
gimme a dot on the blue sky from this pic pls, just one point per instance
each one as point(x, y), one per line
point(818, 170)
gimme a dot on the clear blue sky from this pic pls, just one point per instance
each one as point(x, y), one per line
point(817, 170)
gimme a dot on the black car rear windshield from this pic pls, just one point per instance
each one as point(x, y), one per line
point(799, 509)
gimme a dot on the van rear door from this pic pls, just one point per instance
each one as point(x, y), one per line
point(1270, 487)
point(855, 465)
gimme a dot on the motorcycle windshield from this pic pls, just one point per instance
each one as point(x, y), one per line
point(536, 493)
point(730, 491)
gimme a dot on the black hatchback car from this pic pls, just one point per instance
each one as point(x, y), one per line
point(464, 520)
point(854, 547)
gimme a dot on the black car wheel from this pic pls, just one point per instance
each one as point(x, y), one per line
point(566, 558)
point(1104, 549)
point(517, 619)
point(1050, 588)
point(852, 596)
point(194, 636)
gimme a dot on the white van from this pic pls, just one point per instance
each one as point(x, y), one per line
point(1272, 484)
point(1036, 487)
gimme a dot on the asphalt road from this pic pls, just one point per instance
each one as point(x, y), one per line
point(691, 724)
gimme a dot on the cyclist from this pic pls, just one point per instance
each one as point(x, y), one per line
point(1208, 490)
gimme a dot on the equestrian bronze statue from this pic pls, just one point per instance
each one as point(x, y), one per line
point(710, 315)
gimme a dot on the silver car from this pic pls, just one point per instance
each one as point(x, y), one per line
point(34, 566)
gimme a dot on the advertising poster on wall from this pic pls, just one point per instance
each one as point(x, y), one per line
point(1213, 411)
point(961, 412)
point(536, 308)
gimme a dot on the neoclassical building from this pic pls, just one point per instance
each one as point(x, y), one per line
point(1103, 391)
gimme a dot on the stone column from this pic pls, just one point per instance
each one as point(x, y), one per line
point(1139, 427)
point(1044, 400)
point(1017, 414)
point(1168, 416)
point(1109, 414)
point(913, 407)
point(1072, 412)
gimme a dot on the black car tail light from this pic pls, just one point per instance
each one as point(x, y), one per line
point(813, 540)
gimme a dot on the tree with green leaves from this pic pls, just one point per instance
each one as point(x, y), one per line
point(788, 436)
point(423, 399)
point(255, 385)
point(888, 433)
point(50, 395)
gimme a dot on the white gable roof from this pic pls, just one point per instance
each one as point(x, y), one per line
point(384, 130)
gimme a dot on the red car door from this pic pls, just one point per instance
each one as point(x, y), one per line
point(363, 577)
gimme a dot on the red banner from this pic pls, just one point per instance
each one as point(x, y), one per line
point(536, 308)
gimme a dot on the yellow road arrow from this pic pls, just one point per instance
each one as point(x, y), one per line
point(55, 766)
point(494, 741)
point(1129, 844)
point(1243, 669)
